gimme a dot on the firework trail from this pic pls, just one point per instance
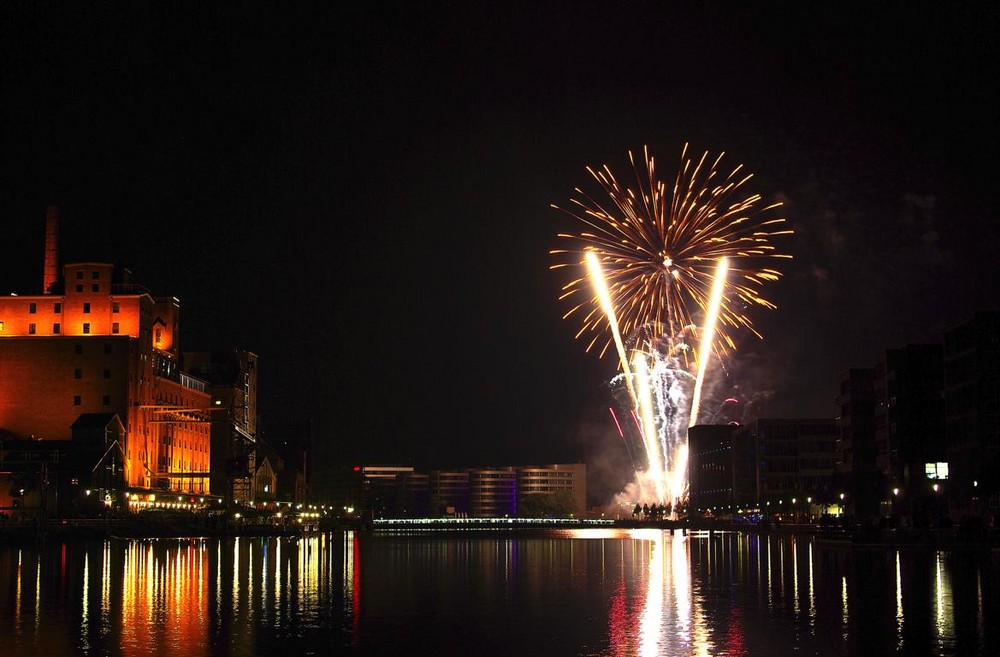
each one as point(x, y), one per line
point(707, 335)
point(654, 259)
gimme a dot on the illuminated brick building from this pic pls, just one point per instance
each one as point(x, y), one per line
point(96, 344)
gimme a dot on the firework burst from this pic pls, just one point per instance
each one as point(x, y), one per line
point(658, 250)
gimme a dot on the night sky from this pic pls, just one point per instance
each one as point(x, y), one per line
point(360, 194)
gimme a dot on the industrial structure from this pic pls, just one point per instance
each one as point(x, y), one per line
point(91, 370)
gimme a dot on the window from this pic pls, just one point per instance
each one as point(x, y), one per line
point(116, 307)
point(95, 275)
point(55, 328)
point(78, 349)
point(936, 470)
point(77, 373)
point(106, 400)
point(86, 327)
point(79, 275)
point(158, 336)
point(79, 288)
point(107, 374)
point(107, 348)
point(95, 287)
point(31, 328)
point(76, 400)
point(57, 307)
point(32, 308)
point(114, 327)
point(86, 307)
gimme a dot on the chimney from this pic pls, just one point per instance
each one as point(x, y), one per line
point(51, 274)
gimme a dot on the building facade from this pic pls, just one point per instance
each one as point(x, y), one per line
point(767, 463)
point(909, 426)
point(566, 481)
point(712, 466)
point(857, 469)
point(972, 415)
point(231, 380)
point(100, 344)
point(386, 491)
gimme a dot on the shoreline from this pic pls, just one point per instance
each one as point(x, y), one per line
point(56, 529)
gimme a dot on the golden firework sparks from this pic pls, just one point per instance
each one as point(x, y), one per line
point(658, 249)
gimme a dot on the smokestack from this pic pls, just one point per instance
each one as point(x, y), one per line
point(51, 274)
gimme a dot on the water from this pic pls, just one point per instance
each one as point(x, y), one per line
point(553, 593)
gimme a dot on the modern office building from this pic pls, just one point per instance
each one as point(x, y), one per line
point(712, 466)
point(857, 469)
point(493, 492)
point(767, 463)
point(413, 499)
point(449, 492)
point(566, 481)
point(382, 491)
point(909, 426)
point(972, 415)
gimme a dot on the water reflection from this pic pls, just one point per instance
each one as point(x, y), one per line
point(701, 590)
point(588, 592)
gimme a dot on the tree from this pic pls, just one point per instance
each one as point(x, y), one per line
point(559, 504)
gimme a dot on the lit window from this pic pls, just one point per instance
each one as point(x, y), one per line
point(86, 307)
point(31, 328)
point(32, 308)
point(936, 470)
point(86, 327)
point(55, 328)
point(114, 327)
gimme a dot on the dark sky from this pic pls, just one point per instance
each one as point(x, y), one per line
point(359, 192)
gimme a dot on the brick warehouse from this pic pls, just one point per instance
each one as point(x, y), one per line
point(96, 343)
